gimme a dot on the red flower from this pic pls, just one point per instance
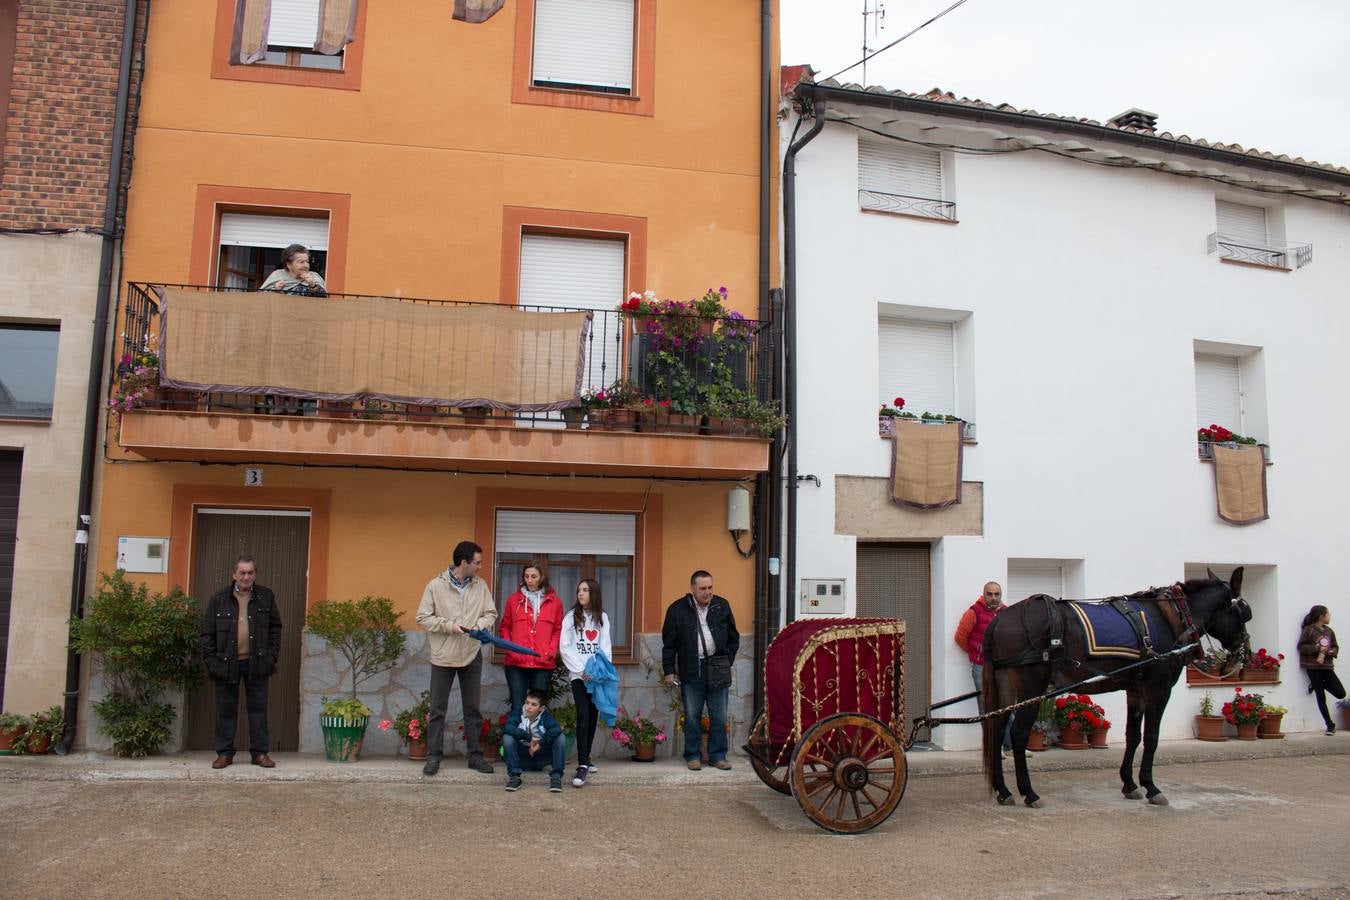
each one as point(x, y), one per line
point(899, 403)
point(1059, 702)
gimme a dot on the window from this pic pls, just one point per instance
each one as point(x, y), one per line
point(1033, 576)
point(897, 177)
point(1218, 391)
point(291, 36)
point(917, 361)
point(581, 273)
point(313, 43)
point(251, 245)
point(572, 546)
point(586, 54)
point(1243, 234)
point(27, 371)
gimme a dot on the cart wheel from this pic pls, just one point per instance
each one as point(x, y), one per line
point(848, 773)
point(777, 776)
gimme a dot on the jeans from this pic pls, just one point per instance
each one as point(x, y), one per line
point(227, 712)
point(470, 686)
point(519, 758)
point(520, 679)
point(977, 676)
point(695, 694)
point(587, 715)
point(1323, 682)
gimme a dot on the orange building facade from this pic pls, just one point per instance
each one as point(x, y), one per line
point(500, 162)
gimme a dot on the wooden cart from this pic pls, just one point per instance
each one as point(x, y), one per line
point(831, 731)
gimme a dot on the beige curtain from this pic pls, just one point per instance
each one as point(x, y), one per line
point(337, 25)
point(475, 11)
point(248, 42)
point(926, 464)
point(1240, 484)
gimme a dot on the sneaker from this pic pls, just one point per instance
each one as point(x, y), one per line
point(555, 784)
point(694, 765)
point(513, 783)
point(478, 764)
point(579, 779)
point(1330, 731)
point(722, 764)
point(433, 765)
point(592, 769)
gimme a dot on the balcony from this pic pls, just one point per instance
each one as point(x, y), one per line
point(428, 384)
point(900, 204)
point(1270, 255)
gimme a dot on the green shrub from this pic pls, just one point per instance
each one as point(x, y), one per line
point(365, 632)
point(144, 645)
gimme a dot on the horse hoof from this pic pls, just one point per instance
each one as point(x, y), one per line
point(1034, 804)
point(1158, 800)
point(1135, 794)
point(1006, 801)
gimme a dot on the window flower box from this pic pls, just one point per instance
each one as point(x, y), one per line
point(886, 427)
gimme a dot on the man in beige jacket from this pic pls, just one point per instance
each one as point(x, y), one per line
point(454, 602)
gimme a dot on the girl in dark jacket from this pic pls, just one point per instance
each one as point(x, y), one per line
point(1317, 648)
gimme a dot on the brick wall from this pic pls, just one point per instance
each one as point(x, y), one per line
point(60, 113)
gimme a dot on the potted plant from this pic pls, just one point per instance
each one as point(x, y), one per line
point(1071, 715)
point(566, 717)
point(611, 408)
point(1209, 727)
point(710, 309)
point(639, 734)
point(411, 725)
point(1098, 725)
point(13, 728)
point(574, 416)
point(1344, 707)
point(1041, 730)
point(366, 634)
point(638, 308)
point(1244, 711)
point(1210, 668)
point(489, 735)
point(476, 414)
point(1206, 438)
point(137, 378)
point(1262, 668)
point(1271, 717)
point(44, 729)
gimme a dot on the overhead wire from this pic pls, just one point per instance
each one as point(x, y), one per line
point(902, 37)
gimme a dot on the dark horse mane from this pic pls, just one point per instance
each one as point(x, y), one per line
point(1022, 662)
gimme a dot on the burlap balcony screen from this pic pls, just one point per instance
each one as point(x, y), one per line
point(926, 465)
point(1240, 484)
point(371, 349)
point(253, 18)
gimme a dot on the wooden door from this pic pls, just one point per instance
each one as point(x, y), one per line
point(894, 583)
point(11, 467)
point(279, 542)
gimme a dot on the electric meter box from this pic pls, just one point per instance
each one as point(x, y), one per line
point(822, 596)
point(143, 554)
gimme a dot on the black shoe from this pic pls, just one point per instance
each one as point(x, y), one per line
point(433, 765)
point(1331, 730)
point(555, 784)
point(513, 783)
point(478, 764)
point(579, 779)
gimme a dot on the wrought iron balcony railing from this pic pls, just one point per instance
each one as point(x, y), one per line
point(914, 206)
point(1275, 254)
point(677, 380)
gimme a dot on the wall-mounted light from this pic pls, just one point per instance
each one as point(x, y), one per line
point(738, 517)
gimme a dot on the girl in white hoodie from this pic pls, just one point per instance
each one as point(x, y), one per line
point(585, 630)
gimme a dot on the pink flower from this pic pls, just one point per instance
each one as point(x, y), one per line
point(385, 725)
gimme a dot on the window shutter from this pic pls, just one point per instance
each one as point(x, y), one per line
point(278, 232)
point(1242, 224)
point(1218, 392)
point(588, 42)
point(1033, 576)
point(918, 362)
point(891, 167)
point(581, 273)
point(294, 23)
point(533, 531)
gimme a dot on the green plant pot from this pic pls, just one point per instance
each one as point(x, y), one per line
point(571, 744)
point(342, 738)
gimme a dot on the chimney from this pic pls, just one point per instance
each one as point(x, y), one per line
point(1138, 119)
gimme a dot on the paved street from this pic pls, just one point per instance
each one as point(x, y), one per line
point(1246, 827)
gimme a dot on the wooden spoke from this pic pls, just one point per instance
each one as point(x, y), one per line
point(775, 776)
point(857, 811)
point(870, 769)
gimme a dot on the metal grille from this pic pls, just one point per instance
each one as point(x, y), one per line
point(894, 583)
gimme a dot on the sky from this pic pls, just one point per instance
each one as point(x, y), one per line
point(1265, 75)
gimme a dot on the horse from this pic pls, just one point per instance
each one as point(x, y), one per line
point(1023, 660)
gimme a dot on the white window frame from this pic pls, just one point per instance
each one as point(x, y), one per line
point(1027, 576)
point(916, 360)
point(1218, 391)
point(271, 231)
point(587, 45)
point(900, 177)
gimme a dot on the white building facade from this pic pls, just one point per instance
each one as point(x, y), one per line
point(1087, 296)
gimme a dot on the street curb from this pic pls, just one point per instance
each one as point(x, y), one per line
point(195, 767)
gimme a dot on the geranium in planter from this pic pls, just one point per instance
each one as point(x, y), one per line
point(639, 734)
point(411, 725)
point(1071, 715)
point(1244, 711)
point(1263, 667)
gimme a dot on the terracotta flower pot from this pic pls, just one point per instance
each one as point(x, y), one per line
point(39, 745)
point(1269, 727)
point(1195, 676)
point(7, 738)
point(1345, 718)
point(1247, 732)
point(1036, 741)
point(644, 752)
point(417, 749)
point(1261, 676)
point(1097, 739)
point(1071, 738)
point(1209, 728)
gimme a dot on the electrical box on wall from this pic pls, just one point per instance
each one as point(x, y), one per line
point(143, 554)
point(822, 596)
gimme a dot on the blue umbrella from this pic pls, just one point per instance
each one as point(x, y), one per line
point(488, 637)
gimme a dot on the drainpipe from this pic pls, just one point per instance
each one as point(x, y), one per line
point(94, 398)
point(790, 342)
point(766, 484)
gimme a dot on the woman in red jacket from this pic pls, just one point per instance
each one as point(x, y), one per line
point(532, 618)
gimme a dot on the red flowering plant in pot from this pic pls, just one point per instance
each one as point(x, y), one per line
point(1263, 667)
point(411, 725)
point(1072, 712)
point(1244, 711)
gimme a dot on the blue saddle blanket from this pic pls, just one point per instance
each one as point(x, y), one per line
point(1107, 633)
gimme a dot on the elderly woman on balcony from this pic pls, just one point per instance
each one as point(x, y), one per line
point(294, 276)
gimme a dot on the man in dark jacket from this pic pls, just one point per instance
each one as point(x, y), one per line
point(240, 638)
point(699, 641)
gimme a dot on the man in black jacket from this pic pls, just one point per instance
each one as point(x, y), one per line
point(700, 634)
point(240, 638)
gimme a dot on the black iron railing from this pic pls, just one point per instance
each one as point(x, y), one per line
point(1276, 254)
point(699, 381)
point(880, 201)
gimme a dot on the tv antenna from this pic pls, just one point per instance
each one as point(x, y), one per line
point(874, 15)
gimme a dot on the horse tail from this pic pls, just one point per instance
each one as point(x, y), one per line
point(991, 737)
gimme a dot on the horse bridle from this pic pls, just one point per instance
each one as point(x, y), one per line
point(1191, 631)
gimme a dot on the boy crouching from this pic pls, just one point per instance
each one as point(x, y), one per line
point(533, 739)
